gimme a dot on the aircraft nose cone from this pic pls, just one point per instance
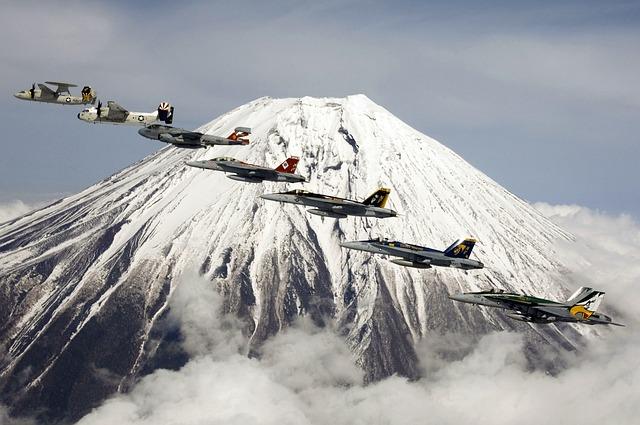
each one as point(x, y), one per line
point(350, 245)
point(271, 196)
point(463, 298)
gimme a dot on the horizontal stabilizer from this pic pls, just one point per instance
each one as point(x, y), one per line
point(240, 135)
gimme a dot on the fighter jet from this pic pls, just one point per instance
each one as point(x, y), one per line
point(420, 257)
point(193, 139)
point(116, 114)
point(251, 173)
point(60, 95)
point(334, 207)
point(579, 308)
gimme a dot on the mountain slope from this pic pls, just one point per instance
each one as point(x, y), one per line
point(85, 282)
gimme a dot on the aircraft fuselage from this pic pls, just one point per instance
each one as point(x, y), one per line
point(90, 115)
point(60, 99)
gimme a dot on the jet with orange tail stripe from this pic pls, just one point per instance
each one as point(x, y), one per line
point(579, 308)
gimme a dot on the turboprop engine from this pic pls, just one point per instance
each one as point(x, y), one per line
point(165, 112)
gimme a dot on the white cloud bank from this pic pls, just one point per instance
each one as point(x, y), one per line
point(306, 375)
point(16, 208)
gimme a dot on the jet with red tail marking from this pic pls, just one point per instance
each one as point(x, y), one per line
point(193, 139)
point(251, 173)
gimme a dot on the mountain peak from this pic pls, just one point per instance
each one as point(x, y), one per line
point(88, 279)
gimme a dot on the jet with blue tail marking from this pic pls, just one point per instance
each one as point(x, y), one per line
point(457, 255)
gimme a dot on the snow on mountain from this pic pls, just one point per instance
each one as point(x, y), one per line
point(85, 282)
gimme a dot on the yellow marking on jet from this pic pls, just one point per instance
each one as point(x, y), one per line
point(580, 313)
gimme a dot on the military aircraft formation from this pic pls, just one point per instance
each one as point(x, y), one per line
point(579, 308)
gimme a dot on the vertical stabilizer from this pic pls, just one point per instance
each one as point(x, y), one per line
point(586, 297)
point(289, 165)
point(461, 248)
point(378, 198)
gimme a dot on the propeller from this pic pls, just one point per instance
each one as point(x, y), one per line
point(99, 109)
point(33, 90)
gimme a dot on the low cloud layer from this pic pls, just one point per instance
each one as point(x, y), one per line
point(306, 375)
point(12, 209)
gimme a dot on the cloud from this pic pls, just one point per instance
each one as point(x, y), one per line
point(16, 208)
point(606, 254)
point(306, 375)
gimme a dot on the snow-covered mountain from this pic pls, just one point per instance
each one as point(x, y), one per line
point(85, 281)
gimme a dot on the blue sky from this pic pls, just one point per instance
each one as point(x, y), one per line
point(541, 96)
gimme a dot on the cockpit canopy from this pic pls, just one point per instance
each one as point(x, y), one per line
point(225, 159)
point(298, 192)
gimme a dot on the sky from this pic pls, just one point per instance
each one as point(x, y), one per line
point(541, 96)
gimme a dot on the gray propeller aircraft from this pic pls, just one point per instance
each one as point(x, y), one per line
point(116, 114)
point(251, 173)
point(60, 95)
point(334, 207)
point(193, 139)
point(420, 257)
point(579, 308)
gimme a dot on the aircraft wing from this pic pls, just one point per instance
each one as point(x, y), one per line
point(248, 169)
point(114, 107)
point(514, 302)
point(46, 91)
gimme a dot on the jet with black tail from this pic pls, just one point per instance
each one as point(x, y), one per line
point(420, 257)
point(251, 173)
point(334, 207)
point(579, 308)
point(116, 114)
